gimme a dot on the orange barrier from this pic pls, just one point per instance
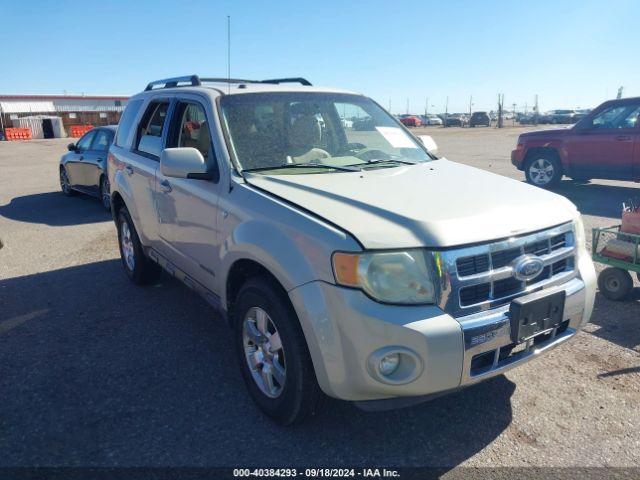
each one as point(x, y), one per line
point(13, 134)
point(79, 130)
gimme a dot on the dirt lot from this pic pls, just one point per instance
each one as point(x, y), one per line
point(95, 371)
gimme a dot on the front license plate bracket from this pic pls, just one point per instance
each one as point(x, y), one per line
point(535, 313)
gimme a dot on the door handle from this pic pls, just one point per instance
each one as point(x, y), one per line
point(623, 138)
point(100, 159)
point(128, 169)
point(165, 186)
point(81, 157)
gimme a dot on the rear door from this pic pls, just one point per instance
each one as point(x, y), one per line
point(75, 165)
point(602, 146)
point(188, 208)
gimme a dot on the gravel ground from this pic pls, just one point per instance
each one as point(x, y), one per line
point(97, 372)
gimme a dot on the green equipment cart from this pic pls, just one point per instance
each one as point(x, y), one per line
point(621, 252)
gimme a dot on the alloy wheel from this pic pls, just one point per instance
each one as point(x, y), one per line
point(263, 352)
point(541, 171)
point(105, 192)
point(127, 246)
point(64, 181)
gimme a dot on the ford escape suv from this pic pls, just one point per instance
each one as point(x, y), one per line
point(349, 262)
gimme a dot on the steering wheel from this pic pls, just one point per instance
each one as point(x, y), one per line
point(373, 154)
point(350, 149)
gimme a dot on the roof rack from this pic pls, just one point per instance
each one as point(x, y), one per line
point(194, 81)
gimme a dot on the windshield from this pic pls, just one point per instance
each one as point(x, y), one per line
point(325, 132)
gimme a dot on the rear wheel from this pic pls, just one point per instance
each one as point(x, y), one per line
point(615, 283)
point(137, 266)
point(105, 193)
point(65, 186)
point(273, 354)
point(543, 170)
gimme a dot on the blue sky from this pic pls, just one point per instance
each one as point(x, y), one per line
point(571, 53)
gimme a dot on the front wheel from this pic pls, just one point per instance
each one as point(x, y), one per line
point(615, 283)
point(65, 186)
point(543, 170)
point(273, 354)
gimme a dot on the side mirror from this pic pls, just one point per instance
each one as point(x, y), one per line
point(72, 147)
point(184, 162)
point(429, 143)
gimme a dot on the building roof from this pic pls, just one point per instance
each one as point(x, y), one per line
point(61, 103)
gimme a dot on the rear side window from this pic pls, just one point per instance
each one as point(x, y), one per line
point(149, 135)
point(126, 122)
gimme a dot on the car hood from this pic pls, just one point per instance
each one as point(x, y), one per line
point(434, 204)
point(550, 132)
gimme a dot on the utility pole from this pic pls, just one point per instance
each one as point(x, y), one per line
point(525, 109)
point(514, 113)
point(426, 107)
point(535, 110)
point(446, 112)
point(500, 106)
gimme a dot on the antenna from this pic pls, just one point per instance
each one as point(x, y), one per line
point(229, 53)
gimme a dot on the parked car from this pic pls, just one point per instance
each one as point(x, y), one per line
point(430, 119)
point(83, 168)
point(479, 118)
point(562, 116)
point(355, 265)
point(452, 121)
point(410, 121)
point(604, 144)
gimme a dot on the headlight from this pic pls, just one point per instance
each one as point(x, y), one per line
point(402, 277)
point(578, 228)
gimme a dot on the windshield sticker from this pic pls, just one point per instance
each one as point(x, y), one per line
point(396, 137)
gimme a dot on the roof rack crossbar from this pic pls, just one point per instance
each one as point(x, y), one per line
point(193, 81)
point(228, 80)
point(300, 80)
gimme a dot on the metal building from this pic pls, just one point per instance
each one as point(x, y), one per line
point(40, 112)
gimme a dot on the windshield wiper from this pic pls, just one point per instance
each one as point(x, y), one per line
point(301, 165)
point(381, 160)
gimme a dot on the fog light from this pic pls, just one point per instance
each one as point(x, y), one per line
point(389, 364)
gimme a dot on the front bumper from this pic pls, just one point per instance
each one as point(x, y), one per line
point(517, 157)
point(343, 327)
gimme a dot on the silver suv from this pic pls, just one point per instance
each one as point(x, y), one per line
point(349, 262)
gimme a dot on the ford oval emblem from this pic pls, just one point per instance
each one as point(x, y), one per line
point(527, 267)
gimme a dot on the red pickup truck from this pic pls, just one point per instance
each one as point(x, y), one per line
point(604, 144)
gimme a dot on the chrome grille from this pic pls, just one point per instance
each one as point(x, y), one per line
point(482, 277)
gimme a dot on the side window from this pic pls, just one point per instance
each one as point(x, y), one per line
point(85, 142)
point(615, 117)
point(126, 121)
point(101, 141)
point(190, 128)
point(149, 135)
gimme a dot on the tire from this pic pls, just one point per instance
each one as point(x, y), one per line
point(65, 187)
point(615, 283)
point(137, 266)
point(261, 311)
point(105, 193)
point(543, 170)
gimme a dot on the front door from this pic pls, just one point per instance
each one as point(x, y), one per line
point(76, 165)
point(603, 147)
point(187, 208)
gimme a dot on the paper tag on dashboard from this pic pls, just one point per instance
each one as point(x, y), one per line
point(396, 137)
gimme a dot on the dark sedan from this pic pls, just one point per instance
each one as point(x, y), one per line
point(84, 168)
